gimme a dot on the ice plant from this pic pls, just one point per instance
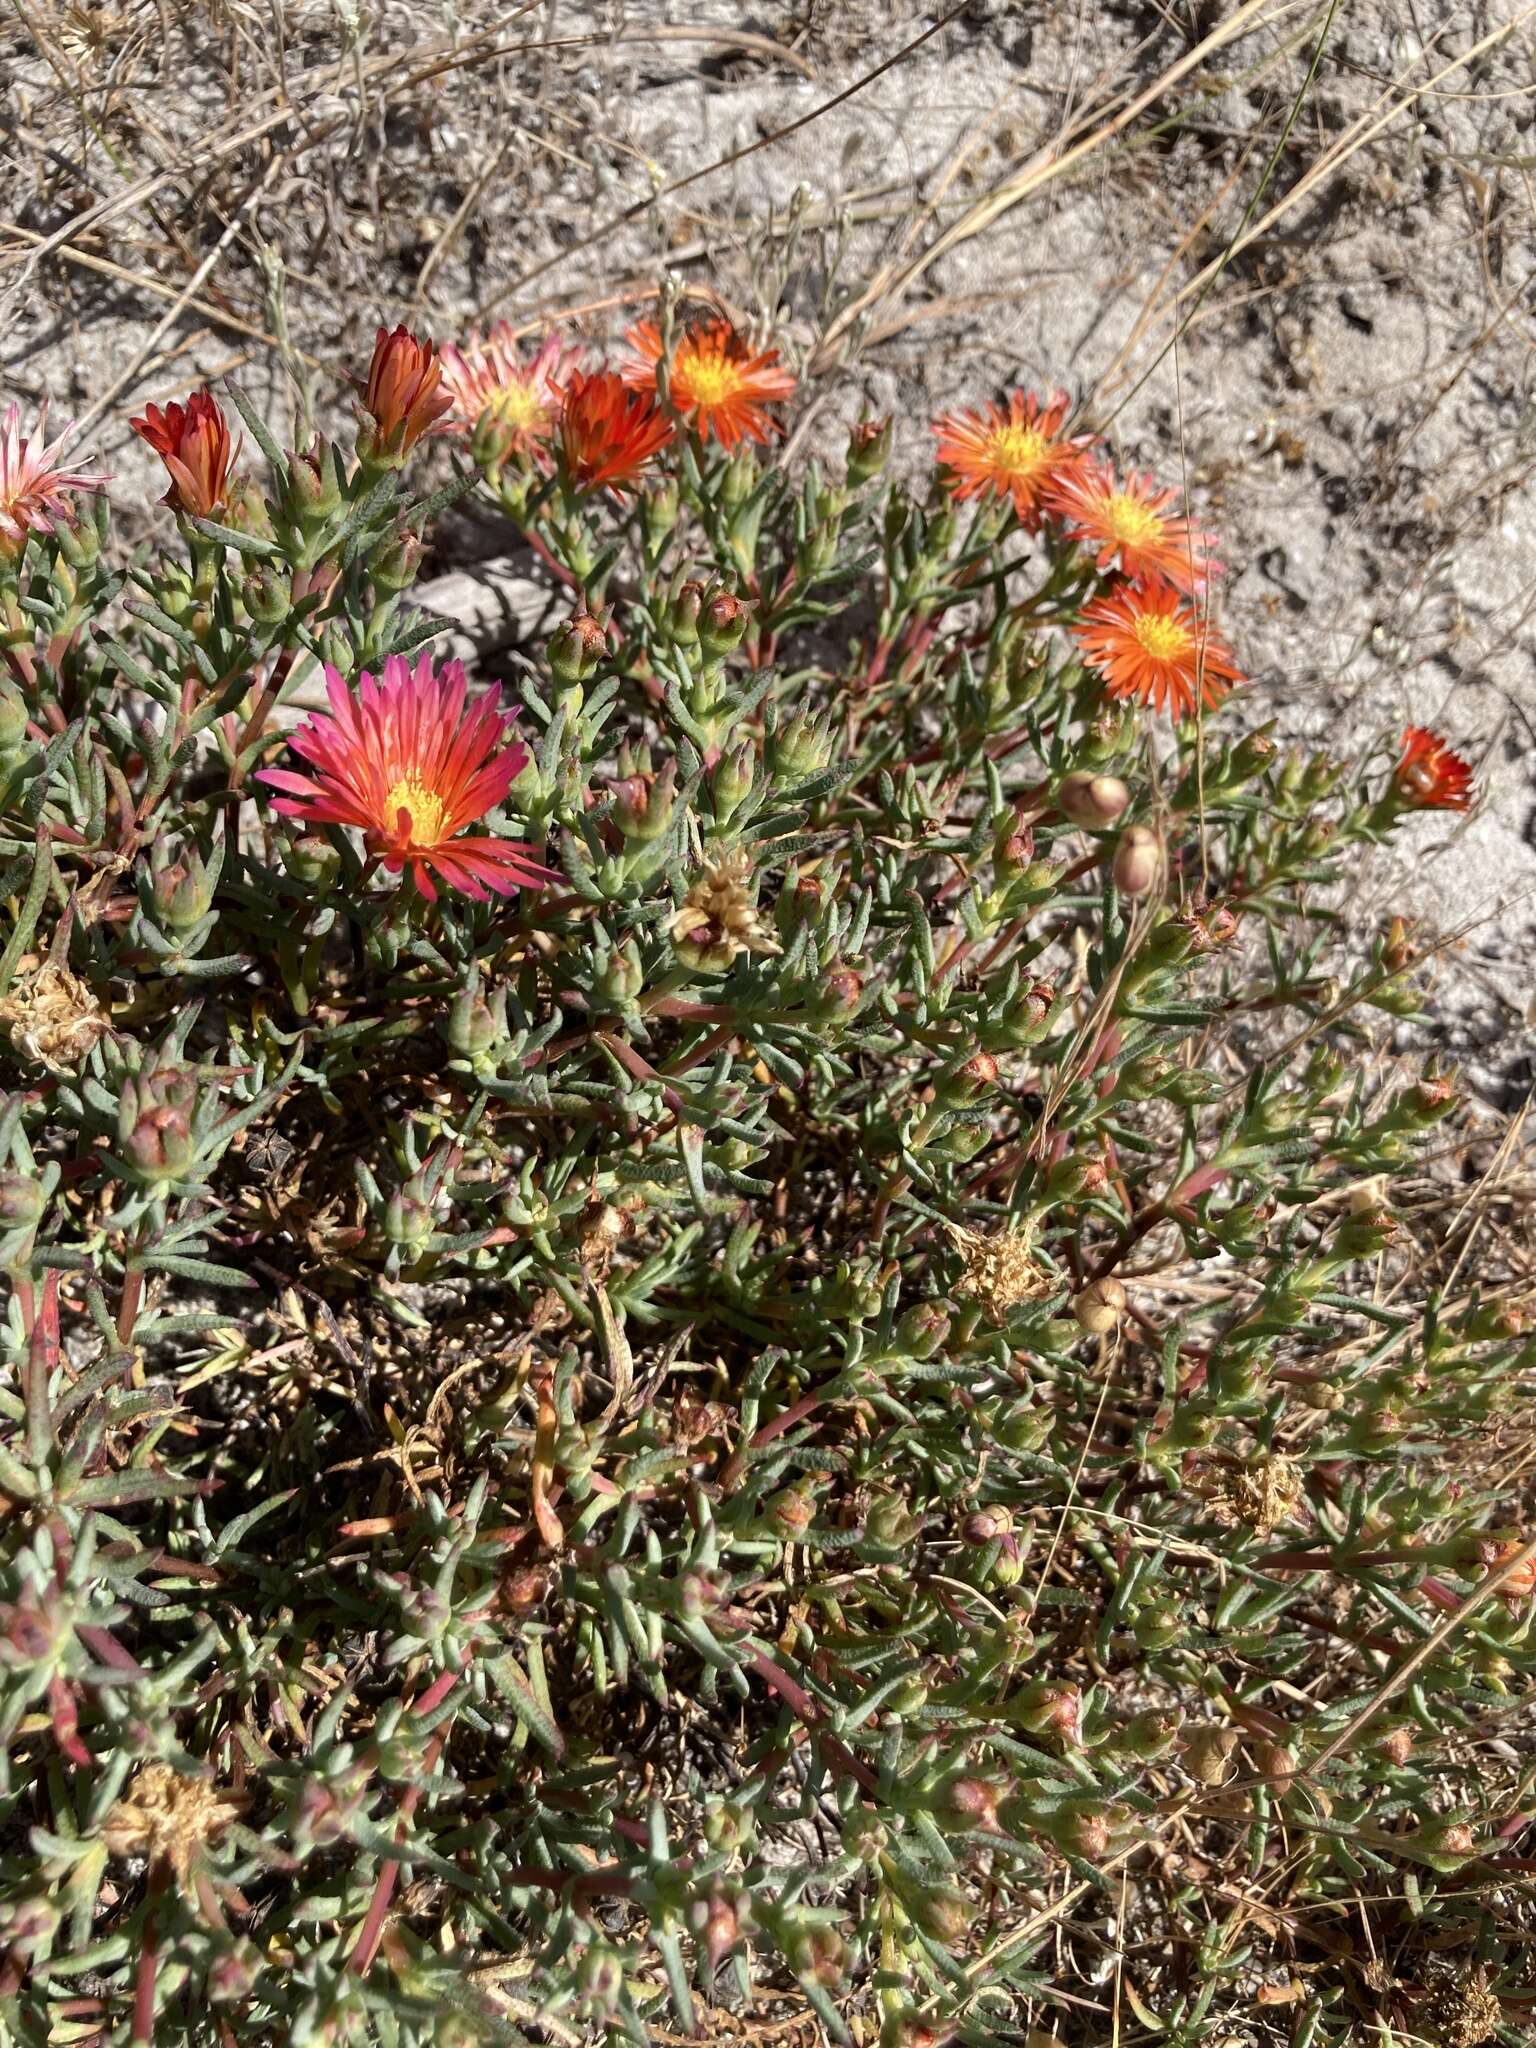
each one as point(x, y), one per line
point(1428, 776)
point(714, 379)
point(1018, 450)
point(608, 433)
point(193, 441)
point(403, 394)
point(405, 765)
point(35, 484)
point(1128, 525)
point(929, 1106)
point(514, 398)
point(1151, 645)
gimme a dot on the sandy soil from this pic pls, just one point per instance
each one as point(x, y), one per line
point(228, 189)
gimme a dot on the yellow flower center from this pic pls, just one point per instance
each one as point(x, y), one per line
point(518, 405)
point(1165, 639)
point(1018, 450)
point(707, 379)
point(422, 806)
point(1131, 522)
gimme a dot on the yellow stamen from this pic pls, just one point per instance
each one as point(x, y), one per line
point(711, 379)
point(1163, 638)
point(422, 806)
point(1131, 522)
point(518, 405)
point(1017, 450)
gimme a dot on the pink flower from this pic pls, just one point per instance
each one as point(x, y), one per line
point(34, 484)
point(490, 375)
point(404, 765)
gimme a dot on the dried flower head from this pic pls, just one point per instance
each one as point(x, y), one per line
point(403, 764)
point(1129, 526)
point(35, 485)
point(1151, 644)
point(170, 1818)
point(1259, 1495)
point(713, 379)
point(1016, 451)
point(193, 441)
point(608, 433)
point(403, 394)
point(718, 919)
point(54, 1017)
point(1428, 776)
point(999, 1270)
point(490, 380)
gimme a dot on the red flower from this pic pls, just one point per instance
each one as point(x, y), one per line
point(1131, 529)
point(403, 765)
point(34, 483)
point(1151, 644)
point(608, 434)
point(714, 379)
point(403, 393)
point(192, 440)
point(1429, 777)
point(1017, 452)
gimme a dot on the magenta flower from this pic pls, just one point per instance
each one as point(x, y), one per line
point(34, 484)
point(404, 765)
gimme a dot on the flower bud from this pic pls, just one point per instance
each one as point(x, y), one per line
point(1138, 861)
point(733, 780)
point(396, 567)
point(182, 893)
point(986, 1525)
point(1447, 1844)
point(840, 995)
point(1397, 951)
point(791, 1513)
point(1093, 801)
point(1394, 1745)
point(642, 805)
point(967, 1803)
point(233, 1973)
point(680, 616)
point(869, 449)
point(473, 1026)
point(619, 975)
point(973, 1078)
point(313, 494)
point(1013, 845)
point(600, 1981)
point(801, 749)
point(740, 479)
point(658, 513)
point(267, 593)
point(22, 1201)
point(723, 624)
point(408, 1222)
point(1099, 1307)
point(889, 1523)
point(576, 648)
point(943, 1913)
point(154, 1123)
point(923, 1329)
point(312, 860)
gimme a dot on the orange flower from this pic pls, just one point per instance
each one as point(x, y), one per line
point(404, 392)
point(1016, 451)
point(1131, 528)
point(1429, 777)
point(192, 440)
point(607, 434)
point(714, 379)
point(489, 376)
point(1151, 644)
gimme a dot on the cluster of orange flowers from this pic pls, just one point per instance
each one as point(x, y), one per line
point(1144, 633)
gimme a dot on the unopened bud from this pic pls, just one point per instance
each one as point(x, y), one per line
point(922, 1330)
point(791, 1513)
point(969, 1803)
point(473, 1025)
point(1099, 1307)
point(397, 566)
point(973, 1078)
point(576, 648)
point(723, 624)
point(407, 1221)
point(22, 1201)
point(312, 860)
point(869, 449)
point(1138, 861)
point(986, 1525)
point(1207, 1754)
point(1094, 801)
point(642, 805)
point(267, 593)
point(182, 893)
point(658, 512)
point(680, 617)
